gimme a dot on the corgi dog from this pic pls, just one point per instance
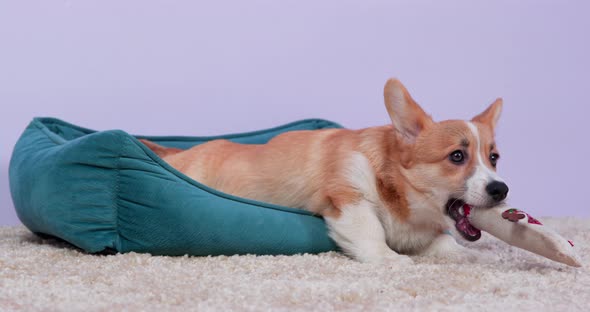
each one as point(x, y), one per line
point(385, 192)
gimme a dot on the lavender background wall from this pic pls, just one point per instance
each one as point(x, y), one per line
point(211, 67)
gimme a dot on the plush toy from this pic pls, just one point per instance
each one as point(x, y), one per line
point(519, 229)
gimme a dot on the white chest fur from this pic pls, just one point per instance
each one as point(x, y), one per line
point(403, 237)
point(406, 238)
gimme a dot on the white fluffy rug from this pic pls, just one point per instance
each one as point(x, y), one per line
point(45, 275)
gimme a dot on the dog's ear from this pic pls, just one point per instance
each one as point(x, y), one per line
point(407, 116)
point(491, 115)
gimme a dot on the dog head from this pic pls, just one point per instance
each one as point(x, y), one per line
point(450, 163)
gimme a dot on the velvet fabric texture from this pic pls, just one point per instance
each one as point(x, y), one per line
point(104, 190)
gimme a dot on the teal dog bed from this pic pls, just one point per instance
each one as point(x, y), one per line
point(106, 192)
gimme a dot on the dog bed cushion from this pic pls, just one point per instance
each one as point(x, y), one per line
point(106, 191)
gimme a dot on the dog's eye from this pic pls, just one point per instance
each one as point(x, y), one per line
point(457, 157)
point(494, 159)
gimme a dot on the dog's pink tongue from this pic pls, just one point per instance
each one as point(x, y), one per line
point(469, 231)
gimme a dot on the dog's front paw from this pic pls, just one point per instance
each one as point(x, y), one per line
point(402, 261)
point(396, 260)
point(445, 249)
point(389, 258)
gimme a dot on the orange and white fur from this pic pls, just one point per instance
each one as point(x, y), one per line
point(383, 191)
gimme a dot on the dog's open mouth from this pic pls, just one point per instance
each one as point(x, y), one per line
point(458, 210)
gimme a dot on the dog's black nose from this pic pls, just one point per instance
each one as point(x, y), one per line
point(497, 190)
